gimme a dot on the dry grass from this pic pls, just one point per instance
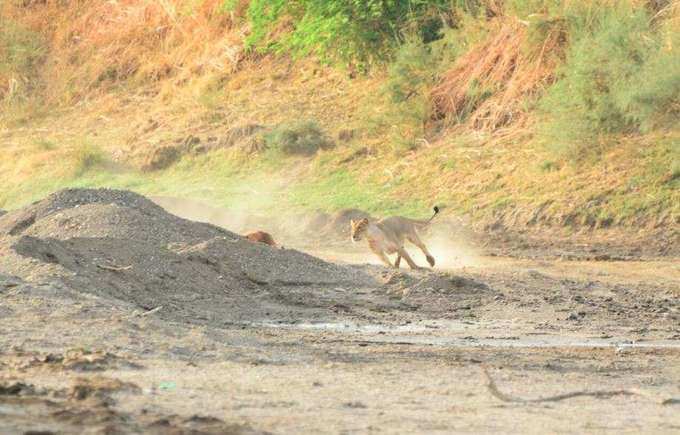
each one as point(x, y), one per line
point(486, 87)
point(97, 45)
point(179, 64)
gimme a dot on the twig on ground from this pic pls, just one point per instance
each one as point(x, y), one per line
point(114, 268)
point(146, 313)
point(256, 280)
point(136, 313)
point(287, 283)
point(599, 394)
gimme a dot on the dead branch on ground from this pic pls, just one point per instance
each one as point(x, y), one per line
point(598, 394)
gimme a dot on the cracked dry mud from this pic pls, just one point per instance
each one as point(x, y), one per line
point(118, 317)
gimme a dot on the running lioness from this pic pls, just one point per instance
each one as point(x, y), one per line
point(388, 235)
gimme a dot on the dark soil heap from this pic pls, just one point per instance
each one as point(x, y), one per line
point(118, 244)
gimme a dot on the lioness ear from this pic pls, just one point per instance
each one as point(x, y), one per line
point(364, 220)
point(351, 222)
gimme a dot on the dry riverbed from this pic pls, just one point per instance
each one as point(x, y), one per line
point(116, 317)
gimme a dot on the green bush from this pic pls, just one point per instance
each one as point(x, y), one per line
point(406, 91)
point(301, 138)
point(343, 30)
point(592, 96)
point(652, 97)
point(417, 64)
point(228, 6)
point(86, 156)
point(411, 71)
point(415, 68)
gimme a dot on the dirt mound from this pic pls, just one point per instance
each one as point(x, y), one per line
point(437, 293)
point(104, 213)
point(120, 245)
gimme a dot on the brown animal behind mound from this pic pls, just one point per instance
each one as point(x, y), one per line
point(261, 237)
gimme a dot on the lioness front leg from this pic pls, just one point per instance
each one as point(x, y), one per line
point(397, 262)
point(402, 252)
point(383, 258)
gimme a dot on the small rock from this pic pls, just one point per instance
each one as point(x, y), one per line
point(16, 389)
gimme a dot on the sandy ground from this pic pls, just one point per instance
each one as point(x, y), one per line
point(485, 344)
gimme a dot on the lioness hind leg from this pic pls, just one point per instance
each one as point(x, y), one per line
point(397, 262)
point(413, 238)
point(430, 259)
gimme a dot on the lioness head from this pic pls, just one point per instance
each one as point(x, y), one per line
point(358, 228)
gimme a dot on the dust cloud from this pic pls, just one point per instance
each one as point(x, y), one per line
point(249, 210)
point(451, 247)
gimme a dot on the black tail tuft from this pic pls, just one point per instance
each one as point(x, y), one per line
point(436, 209)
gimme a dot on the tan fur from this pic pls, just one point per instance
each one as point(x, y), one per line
point(387, 236)
point(262, 237)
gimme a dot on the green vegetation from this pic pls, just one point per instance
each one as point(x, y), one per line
point(87, 156)
point(620, 73)
point(360, 32)
point(215, 182)
point(410, 76)
point(617, 78)
point(297, 138)
point(21, 50)
point(652, 99)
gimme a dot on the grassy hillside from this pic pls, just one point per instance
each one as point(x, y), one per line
point(518, 112)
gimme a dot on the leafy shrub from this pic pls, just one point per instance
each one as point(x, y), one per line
point(416, 63)
point(416, 67)
point(263, 15)
point(301, 138)
point(585, 103)
point(346, 30)
point(652, 97)
point(87, 156)
point(410, 76)
point(548, 166)
point(410, 71)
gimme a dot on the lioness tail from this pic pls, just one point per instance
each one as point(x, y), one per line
point(422, 223)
